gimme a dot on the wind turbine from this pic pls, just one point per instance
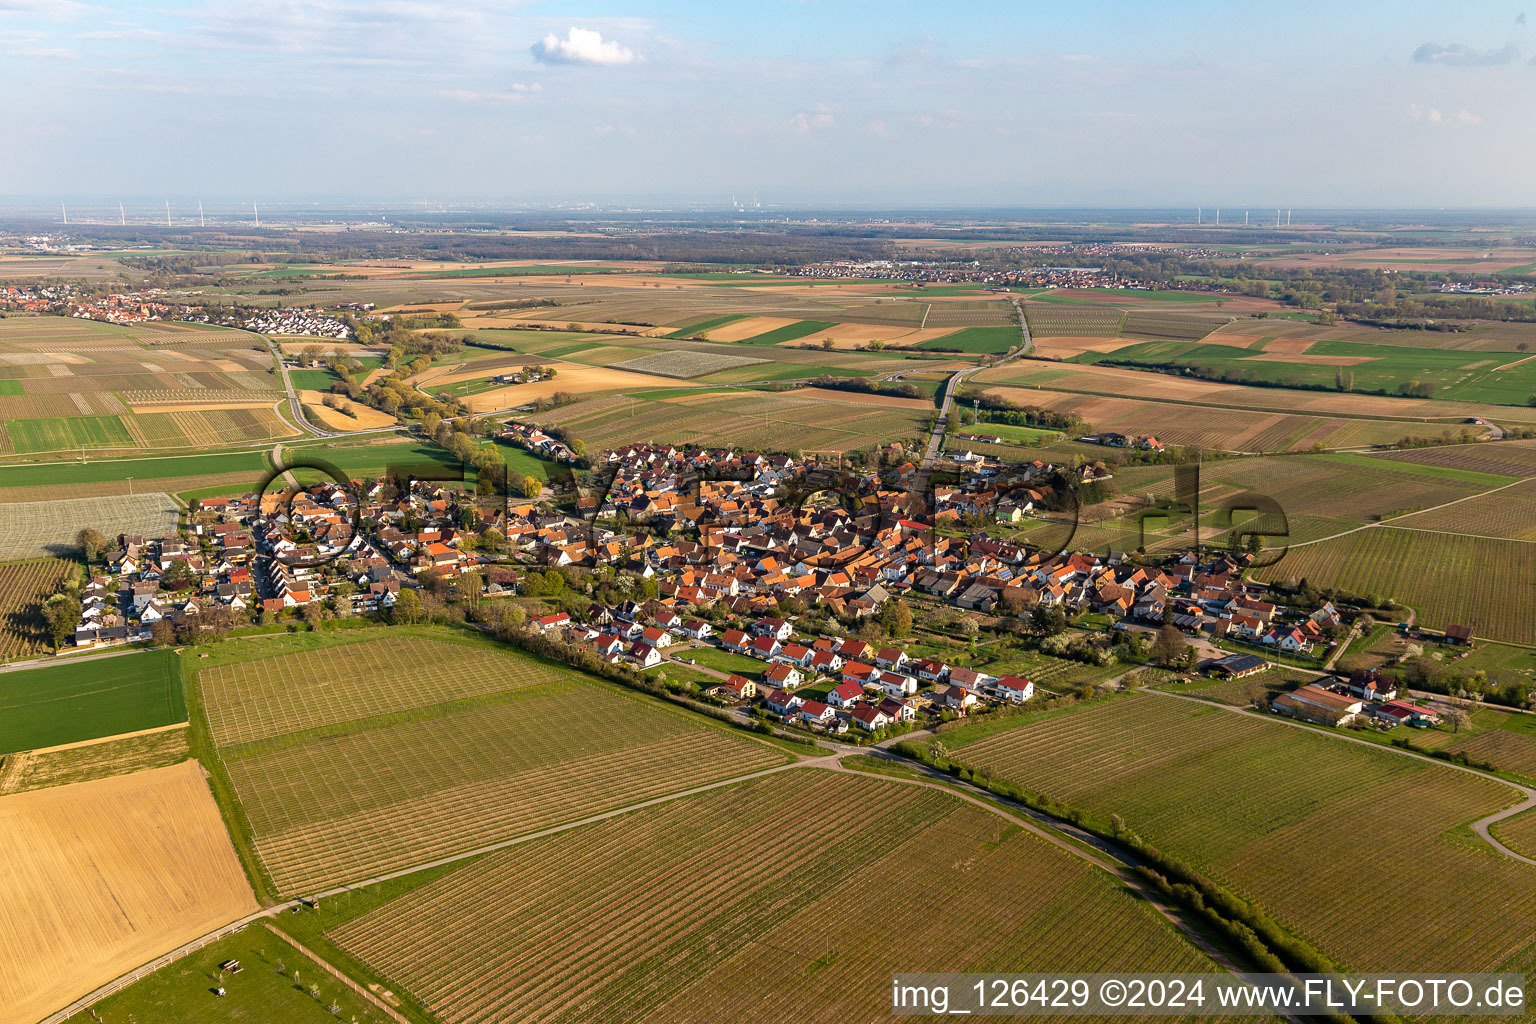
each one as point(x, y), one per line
point(167, 213)
point(122, 218)
point(1245, 218)
point(1287, 218)
point(256, 212)
point(200, 222)
point(1218, 216)
point(64, 211)
point(1199, 215)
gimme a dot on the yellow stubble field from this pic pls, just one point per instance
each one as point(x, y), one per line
point(100, 877)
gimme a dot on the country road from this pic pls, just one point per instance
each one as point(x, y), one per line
point(952, 388)
point(293, 396)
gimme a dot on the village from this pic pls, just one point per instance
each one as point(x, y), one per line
point(790, 567)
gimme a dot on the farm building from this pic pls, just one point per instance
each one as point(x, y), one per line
point(1237, 666)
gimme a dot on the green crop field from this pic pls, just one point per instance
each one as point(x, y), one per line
point(705, 326)
point(352, 756)
point(10, 387)
point(755, 902)
point(103, 470)
point(1486, 583)
point(789, 332)
point(45, 435)
point(1285, 816)
point(1455, 374)
point(65, 703)
point(991, 340)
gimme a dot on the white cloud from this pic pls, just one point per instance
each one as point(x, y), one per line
point(514, 93)
point(806, 120)
point(1435, 116)
point(43, 53)
point(1462, 55)
point(581, 46)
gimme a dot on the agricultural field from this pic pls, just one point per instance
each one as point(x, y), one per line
point(1262, 686)
point(264, 990)
point(987, 340)
point(720, 905)
point(101, 477)
point(1504, 739)
point(32, 529)
point(1418, 416)
point(1073, 321)
point(24, 586)
point(1507, 458)
point(75, 385)
point(1339, 365)
point(1518, 833)
point(354, 756)
point(1508, 513)
point(104, 876)
point(1212, 428)
point(684, 364)
point(92, 759)
point(1285, 816)
point(1450, 578)
point(784, 421)
point(83, 700)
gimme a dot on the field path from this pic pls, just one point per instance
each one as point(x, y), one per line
point(1118, 863)
point(1481, 826)
point(952, 388)
point(277, 460)
point(1386, 523)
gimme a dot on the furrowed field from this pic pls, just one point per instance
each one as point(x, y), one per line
point(1488, 584)
point(789, 898)
point(24, 586)
point(29, 529)
point(353, 756)
point(787, 421)
point(1302, 823)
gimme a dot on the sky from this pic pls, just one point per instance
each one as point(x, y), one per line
point(864, 102)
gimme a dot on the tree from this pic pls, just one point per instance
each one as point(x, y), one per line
point(532, 487)
point(62, 613)
point(1170, 647)
point(178, 576)
point(162, 635)
point(1458, 718)
point(1047, 621)
point(407, 609)
point(471, 588)
point(91, 544)
point(896, 617)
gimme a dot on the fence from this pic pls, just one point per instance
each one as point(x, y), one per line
point(87, 1001)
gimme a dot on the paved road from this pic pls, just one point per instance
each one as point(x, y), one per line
point(1482, 826)
point(952, 388)
point(293, 396)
